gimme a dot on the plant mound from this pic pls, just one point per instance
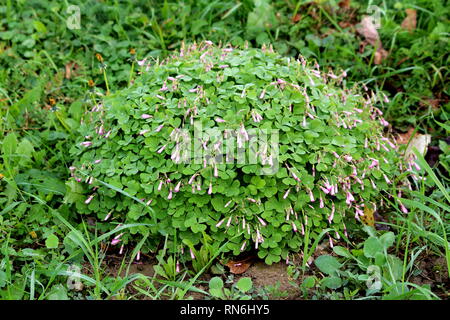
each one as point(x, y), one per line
point(323, 163)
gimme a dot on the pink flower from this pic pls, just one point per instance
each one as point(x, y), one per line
point(177, 187)
point(192, 254)
point(263, 223)
point(210, 189)
point(228, 222)
point(294, 227)
point(146, 116)
point(384, 122)
point(330, 218)
point(169, 197)
point(121, 249)
point(159, 128)
point(386, 179)
point(295, 177)
point(107, 216)
point(349, 198)
point(161, 149)
point(177, 270)
point(216, 172)
point(86, 143)
point(115, 241)
point(98, 161)
point(118, 236)
point(220, 223)
point(220, 120)
point(263, 93)
point(286, 194)
point(331, 241)
point(141, 62)
point(142, 132)
point(373, 164)
point(228, 203)
point(89, 199)
point(403, 208)
point(311, 196)
point(243, 245)
point(138, 256)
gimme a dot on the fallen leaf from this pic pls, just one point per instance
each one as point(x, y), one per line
point(68, 70)
point(69, 67)
point(434, 103)
point(239, 267)
point(368, 29)
point(403, 138)
point(344, 24)
point(296, 18)
point(380, 55)
point(419, 141)
point(368, 218)
point(410, 22)
point(344, 4)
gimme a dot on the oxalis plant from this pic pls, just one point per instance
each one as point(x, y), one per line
point(243, 147)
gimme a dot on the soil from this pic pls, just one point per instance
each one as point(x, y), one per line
point(274, 280)
point(433, 272)
point(274, 276)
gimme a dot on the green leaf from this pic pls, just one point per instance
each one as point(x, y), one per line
point(244, 284)
point(58, 292)
point(309, 282)
point(341, 251)
point(216, 286)
point(332, 282)
point(52, 241)
point(387, 239)
point(372, 246)
point(327, 264)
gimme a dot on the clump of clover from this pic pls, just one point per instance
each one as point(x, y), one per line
point(329, 160)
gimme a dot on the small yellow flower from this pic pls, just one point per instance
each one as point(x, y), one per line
point(33, 234)
point(1, 176)
point(132, 51)
point(91, 83)
point(52, 101)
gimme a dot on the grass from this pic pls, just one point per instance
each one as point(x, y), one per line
point(48, 73)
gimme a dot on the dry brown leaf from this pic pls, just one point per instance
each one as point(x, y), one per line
point(296, 18)
point(344, 4)
point(345, 24)
point(410, 22)
point(69, 66)
point(239, 267)
point(403, 138)
point(380, 55)
point(368, 29)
